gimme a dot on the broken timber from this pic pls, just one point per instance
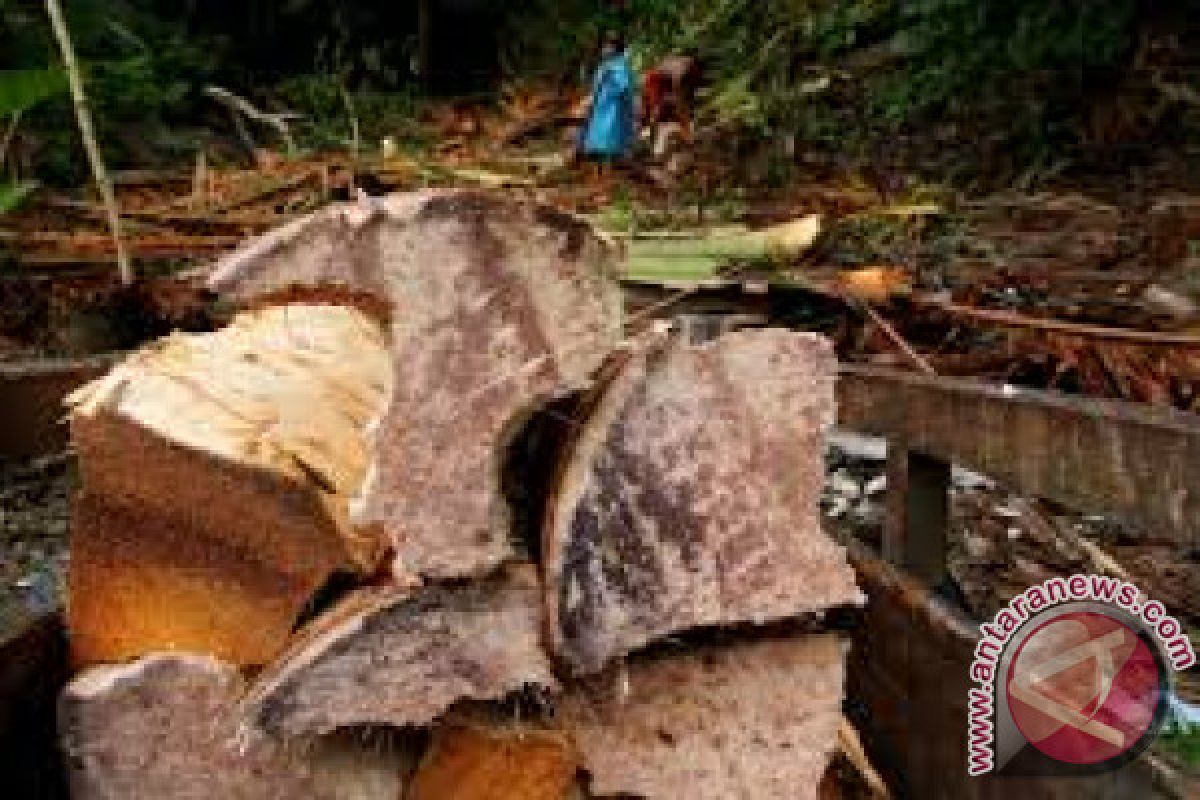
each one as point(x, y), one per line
point(217, 470)
point(164, 728)
point(496, 307)
point(752, 719)
point(402, 658)
point(686, 498)
point(496, 760)
point(690, 496)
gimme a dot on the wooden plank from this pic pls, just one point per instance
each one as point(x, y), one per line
point(1135, 462)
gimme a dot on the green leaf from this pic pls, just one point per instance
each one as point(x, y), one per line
point(22, 89)
point(12, 195)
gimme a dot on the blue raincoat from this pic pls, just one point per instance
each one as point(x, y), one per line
point(608, 132)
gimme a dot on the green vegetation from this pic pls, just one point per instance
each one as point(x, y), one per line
point(955, 87)
point(331, 115)
point(1181, 738)
point(997, 85)
point(20, 91)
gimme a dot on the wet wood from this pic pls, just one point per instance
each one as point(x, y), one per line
point(910, 667)
point(1135, 462)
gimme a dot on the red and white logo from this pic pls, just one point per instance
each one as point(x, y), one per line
point(1084, 688)
point(1072, 677)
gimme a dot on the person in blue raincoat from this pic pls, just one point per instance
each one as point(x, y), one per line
point(608, 133)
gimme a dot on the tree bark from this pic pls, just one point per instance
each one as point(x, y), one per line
point(497, 306)
point(690, 497)
point(402, 658)
point(163, 728)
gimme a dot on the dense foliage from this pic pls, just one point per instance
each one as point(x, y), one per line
point(1017, 80)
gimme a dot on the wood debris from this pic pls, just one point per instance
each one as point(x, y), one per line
point(429, 382)
point(402, 658)
point(217, 470)
point(502, 761)
point(497, 307)
point(690, 497)
point(164, 728)
point(757, 719)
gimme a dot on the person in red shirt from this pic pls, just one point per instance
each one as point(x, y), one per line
point(669, 94)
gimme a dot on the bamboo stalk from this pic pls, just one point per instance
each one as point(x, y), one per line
point(88, 134)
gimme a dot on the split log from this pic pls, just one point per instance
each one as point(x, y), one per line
point(164, 728)
point(389, 657)
point(690, 496)
point(217, 470)
point(755, 720)
point(497, 306)
point(512, 761)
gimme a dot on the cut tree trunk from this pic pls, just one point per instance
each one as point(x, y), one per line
point(496, 305)
point(502, 761)
point(390, 657)
point(164, 728)
point(690, 496)
point(754, 720)
point(217, 470)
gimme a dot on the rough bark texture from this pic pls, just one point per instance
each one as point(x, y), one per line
point(217, 471)
point(496, 762)
point(497, 306)
point(390, 658)
point(164, 728)
point(690, 497)
point(756, 720)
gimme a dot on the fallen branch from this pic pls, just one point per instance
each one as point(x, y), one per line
point(90, 145)
point(1098, 561)
point(239, 105)
point(899, 340)
point(1014, 320)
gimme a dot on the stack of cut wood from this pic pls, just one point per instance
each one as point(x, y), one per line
point(306, 538)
